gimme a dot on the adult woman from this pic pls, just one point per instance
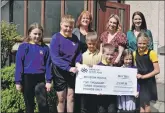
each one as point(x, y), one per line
point(84, 25)
point(138, 24)
point(114, 36)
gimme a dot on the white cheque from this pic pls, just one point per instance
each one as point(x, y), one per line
point(106, 80)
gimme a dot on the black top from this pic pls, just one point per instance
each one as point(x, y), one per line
point(144, 64)
point(83, 44)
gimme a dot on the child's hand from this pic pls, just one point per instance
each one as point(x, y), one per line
point(19, 87)
point(48, 86)
point(137, 94)
point(73, 70)
point(78, 65)
point(139, 76)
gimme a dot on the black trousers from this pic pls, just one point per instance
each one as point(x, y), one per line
point(34, 85)
point(107, 104)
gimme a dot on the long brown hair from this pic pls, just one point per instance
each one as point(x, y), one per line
point(33, 26)
point(78, 23)
point(143, 25)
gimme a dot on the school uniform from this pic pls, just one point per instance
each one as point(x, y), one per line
point(32, 64)
point(148, 89)
point(106, 103)
point(127, 103)
point(64, 53)
point(87, 101)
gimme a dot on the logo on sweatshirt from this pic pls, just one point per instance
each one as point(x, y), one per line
point(73, 44)
point(41, 52)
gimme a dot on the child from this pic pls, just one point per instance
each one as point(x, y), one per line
point(65, 52)
point(127, 103)
point(107, 103)
point(147, 65)
point(32, 63)
point(91, 57)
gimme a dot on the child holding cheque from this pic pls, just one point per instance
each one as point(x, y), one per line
point(65, 52)
point(148, 66)
point(107, 103)
point(126, 103)
point(91, 57)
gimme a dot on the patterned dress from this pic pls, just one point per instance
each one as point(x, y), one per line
point(118, 40)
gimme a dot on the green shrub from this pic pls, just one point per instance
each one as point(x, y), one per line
point(11, 99)
point(9, 35)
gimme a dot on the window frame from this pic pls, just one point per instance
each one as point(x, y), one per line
point(88, 5)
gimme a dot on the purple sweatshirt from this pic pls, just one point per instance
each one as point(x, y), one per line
point(32, 59)
point(65, 51)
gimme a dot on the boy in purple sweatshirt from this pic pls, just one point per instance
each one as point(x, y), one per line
point(107, 103)
point(32, 64)
point(65, 53)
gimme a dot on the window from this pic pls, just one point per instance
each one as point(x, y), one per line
point(52, 17)
point(18, 15)
point(74, 8)
point(46, 12)
point(34, 12)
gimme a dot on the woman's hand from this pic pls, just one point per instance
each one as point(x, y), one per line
point(117, 60)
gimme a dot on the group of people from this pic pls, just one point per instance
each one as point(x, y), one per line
point(37, 65)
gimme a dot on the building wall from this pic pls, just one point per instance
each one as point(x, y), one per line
point(154, 15)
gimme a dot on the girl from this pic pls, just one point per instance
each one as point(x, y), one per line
point(127, 103)
point(138, 24)
point(147, 65)
point(65, 52)
point(32, 64)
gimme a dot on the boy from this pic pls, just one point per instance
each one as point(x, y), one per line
point(65, 52)
point(91, 57)
point(107, 103)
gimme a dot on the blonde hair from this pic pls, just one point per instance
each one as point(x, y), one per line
point(68, 19)
point(91, 36)
point(143, 35)
point(119, 27)
point(108, 46)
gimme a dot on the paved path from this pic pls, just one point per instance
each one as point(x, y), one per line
point(159, 105)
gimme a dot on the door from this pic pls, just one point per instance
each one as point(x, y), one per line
point(107, 8)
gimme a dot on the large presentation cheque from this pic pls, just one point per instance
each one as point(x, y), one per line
point(106, 80)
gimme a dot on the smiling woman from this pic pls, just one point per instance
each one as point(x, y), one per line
point(114, 36)
point(138, 24)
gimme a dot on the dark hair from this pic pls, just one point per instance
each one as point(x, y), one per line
point(78, 23)
point(143, 25)
point(108, 46)
point(33, 26)
point(125, 53)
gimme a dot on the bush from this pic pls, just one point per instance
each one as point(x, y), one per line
point(9, 35)
point(11, 99)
